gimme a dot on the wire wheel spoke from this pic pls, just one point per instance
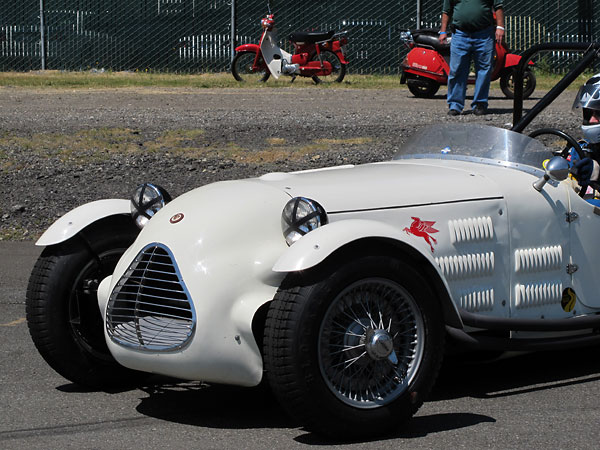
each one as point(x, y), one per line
point(367, 326)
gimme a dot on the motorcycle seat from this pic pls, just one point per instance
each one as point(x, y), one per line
point(429, 38)
point(310, 37)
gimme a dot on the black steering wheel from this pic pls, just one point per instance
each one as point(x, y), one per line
point(556, 132)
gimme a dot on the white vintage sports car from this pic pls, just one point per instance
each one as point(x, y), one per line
point(340, 287)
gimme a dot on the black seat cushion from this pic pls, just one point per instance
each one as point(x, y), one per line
point(430, 38)
point(311, 36)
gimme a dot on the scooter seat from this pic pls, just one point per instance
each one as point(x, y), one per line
point(429, 38)
point(311, 37)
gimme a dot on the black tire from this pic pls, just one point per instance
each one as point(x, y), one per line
point(62, 309)
point(311, 319)
point(422, 87)
point(339, 70)
point(241, 68)
point(508, 86)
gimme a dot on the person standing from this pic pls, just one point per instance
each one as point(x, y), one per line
point(476, 24)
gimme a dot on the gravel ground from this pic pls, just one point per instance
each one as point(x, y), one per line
point(63, 148)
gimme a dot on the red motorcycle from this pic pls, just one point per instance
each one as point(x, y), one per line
point(426, 65)
point(317, 54)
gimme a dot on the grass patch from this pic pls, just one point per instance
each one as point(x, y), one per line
point(350, 141)
point(15, 233)
point(114, 80)
point(99, 144)
point(110, 80)
point(96, 144)
point(275, 141)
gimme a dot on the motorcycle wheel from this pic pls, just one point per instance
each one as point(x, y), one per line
point(422, 87)
point(241, 68)
point(339, 70)
point(507, 83)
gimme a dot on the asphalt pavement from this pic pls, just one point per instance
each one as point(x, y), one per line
point(543, 400)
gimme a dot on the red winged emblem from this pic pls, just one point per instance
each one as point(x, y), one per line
point(422, 228)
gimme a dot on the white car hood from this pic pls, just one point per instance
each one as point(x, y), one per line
point(389, 184)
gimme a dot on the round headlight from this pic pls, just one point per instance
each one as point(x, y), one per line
point(146, 201)
point(300, 216)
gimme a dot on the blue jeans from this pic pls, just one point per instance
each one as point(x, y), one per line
point(480, 46)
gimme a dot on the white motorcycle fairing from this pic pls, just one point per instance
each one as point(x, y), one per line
point(273, 55)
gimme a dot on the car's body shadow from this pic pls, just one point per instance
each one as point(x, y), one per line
point(227, 407)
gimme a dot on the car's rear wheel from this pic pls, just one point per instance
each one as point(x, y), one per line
point(353, 352)
point(62, 307)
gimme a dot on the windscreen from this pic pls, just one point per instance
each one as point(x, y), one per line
point(475, 141)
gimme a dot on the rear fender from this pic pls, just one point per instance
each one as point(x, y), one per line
point(313, 248)
point(77, 219)
point(513, 60)
point(426, 62)
point(336, 47)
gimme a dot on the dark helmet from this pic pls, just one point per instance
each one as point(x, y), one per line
point(588, 99)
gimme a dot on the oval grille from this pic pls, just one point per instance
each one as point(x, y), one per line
point(150, 307)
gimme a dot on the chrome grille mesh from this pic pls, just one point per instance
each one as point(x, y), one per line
point(150, 307)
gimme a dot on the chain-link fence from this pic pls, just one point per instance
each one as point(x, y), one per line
point(200, 35)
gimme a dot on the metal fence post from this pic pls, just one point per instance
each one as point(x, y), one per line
point(42, 36)
point(418, 14)
point(233, 28)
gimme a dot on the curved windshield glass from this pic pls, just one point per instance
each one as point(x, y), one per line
point(474, 141)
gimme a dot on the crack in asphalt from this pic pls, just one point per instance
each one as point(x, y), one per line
point(75, 428)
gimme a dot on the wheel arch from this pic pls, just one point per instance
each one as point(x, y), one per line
point(392, 248)
point(339, 241)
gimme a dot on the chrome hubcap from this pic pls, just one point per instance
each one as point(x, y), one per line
point(380, 345)
point(371, 343)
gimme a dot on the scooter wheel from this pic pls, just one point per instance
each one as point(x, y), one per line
point(507, 83)
point(422, 87)
point(241, 68)
point(339, 70)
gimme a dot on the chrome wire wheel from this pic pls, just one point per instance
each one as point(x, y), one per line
point(371, 343)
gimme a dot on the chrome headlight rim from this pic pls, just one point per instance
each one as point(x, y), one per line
point(146, 201)
point(300, 216)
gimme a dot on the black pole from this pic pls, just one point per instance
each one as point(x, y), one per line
point(233, 31)
point(591, 53)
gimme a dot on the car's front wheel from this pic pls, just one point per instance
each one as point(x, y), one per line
point(353, 352)
point(62, 306)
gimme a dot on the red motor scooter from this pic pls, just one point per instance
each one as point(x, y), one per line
point(427, 65)
point(317, 54)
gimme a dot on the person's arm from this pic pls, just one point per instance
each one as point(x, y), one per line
point(499, 25)
point(443, 33)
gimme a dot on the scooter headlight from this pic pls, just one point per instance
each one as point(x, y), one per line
point(146, 201)
point(300, 216)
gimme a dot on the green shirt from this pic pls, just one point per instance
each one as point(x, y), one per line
point(471, 15)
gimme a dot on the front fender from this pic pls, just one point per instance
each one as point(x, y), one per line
point(316, 246)
point(248, 48)
point(77, 219)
